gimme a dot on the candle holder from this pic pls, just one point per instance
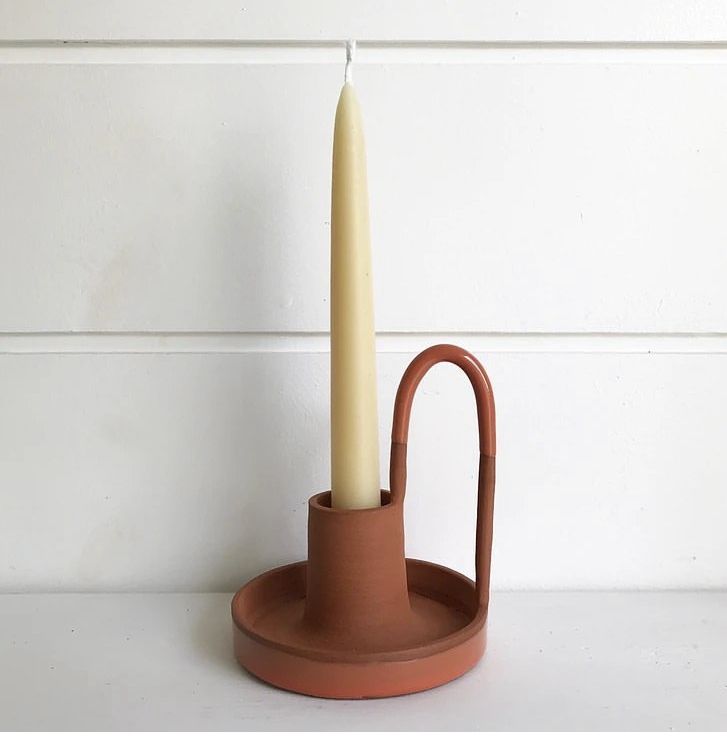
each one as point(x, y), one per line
point(358, 619)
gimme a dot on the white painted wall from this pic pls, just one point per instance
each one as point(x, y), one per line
point(547, 188)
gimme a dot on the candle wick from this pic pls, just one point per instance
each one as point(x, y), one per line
point(350, 51)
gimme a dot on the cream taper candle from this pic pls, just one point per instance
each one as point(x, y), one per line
point(354, 417)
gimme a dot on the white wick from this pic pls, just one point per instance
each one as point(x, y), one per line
point(350, 51)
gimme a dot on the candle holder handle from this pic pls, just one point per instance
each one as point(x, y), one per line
point(486, 423)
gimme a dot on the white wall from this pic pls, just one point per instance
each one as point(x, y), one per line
point(547, 188)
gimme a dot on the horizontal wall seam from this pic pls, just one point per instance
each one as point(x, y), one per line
point(12, 343)
point(316, 52)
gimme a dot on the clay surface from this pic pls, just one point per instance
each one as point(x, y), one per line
point(358, 619)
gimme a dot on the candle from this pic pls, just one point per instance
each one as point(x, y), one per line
point(354, 421)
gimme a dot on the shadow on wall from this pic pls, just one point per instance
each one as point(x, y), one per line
point(276, 423)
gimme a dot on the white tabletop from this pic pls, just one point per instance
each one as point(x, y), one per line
point(554, 661)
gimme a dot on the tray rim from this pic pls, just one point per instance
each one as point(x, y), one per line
point(421, 651)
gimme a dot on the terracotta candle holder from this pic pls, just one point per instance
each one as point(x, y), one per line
point(358, 619)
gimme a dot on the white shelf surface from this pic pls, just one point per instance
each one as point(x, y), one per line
point(585, 660)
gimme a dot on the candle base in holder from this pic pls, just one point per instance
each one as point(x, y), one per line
point(358, 619)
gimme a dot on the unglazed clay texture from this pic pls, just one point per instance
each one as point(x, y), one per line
point(358, 620)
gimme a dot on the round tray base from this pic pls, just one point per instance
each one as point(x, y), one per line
point(446, 637)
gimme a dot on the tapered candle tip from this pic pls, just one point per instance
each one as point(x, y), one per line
point(350, 51)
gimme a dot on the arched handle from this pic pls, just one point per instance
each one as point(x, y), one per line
point(486, 422)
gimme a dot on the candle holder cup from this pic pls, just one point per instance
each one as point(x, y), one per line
point(358, 619)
